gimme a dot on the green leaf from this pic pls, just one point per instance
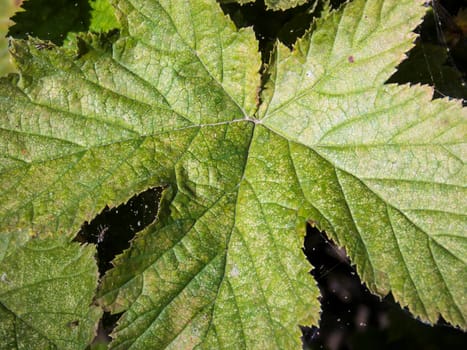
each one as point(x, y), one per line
point(102, 16)
point(46, 291)
point(177, 101)
point(7, 8)
point(275, 5)
point(393, 161)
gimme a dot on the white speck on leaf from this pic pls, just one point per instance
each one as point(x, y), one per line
point(4, 278)
point(234, 272)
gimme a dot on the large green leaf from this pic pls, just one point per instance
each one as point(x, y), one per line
point(176, 101)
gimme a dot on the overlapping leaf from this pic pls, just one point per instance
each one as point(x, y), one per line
point(174, 101)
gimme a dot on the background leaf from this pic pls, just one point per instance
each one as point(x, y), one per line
point(51, 20)
point(7, 8)
point(102, 16)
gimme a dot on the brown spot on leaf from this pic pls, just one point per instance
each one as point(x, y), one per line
point(73, 324)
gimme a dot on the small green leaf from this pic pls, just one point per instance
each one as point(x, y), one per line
point(102, 16)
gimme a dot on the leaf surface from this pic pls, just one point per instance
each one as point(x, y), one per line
point(275, 5)
point(174, 101)
point(397, 160)
point(46, 291)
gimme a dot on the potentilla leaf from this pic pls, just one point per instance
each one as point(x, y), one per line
point(176, 101)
